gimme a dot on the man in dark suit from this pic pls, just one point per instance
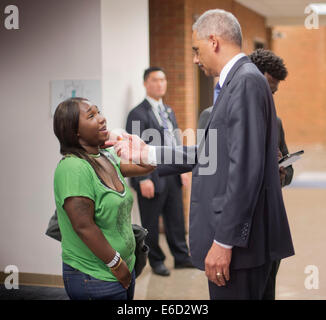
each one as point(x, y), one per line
point(274, 70)
point(159, 195)
point(238, 223)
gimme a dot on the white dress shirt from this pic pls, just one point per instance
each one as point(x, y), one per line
point(226, 69)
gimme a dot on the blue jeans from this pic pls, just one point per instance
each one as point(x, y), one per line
point(81, 286)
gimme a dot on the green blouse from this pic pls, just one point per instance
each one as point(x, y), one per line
point(75, 177)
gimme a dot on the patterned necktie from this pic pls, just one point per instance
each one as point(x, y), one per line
point(168, 136)
point(163, 117)
point(217, 90)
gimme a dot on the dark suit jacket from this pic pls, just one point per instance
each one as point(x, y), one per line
point(241, 203)
point(204, 116)
point(147, 120)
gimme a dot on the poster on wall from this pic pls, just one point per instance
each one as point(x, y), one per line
point(64, 89)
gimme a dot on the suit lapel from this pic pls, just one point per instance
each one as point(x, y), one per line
point(151, 114)
point(170, 116)
point(214, 107)
point(229, 77)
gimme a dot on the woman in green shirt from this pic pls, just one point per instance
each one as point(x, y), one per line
point(94, 204)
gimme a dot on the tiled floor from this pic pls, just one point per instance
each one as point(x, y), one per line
point(33, 293)
point(182, 284)
point(307, 217)
point(306, 208)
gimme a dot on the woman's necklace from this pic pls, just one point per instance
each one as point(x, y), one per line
point(95, 155)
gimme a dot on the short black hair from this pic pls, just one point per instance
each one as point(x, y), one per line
point(268, 61)
point(150, 70)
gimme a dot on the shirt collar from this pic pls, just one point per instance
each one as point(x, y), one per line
point(226, 69)
point(154, 103)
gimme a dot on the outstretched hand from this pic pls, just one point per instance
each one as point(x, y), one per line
point(108, 144)
point(112, 141)
point(132, 149)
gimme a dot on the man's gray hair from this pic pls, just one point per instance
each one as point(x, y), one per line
point(220, 23)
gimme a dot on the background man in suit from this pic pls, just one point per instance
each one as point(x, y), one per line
point(238, 223)
point(160, 195)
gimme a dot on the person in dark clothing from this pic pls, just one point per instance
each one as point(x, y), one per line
point(238, 224)
point(160, 195)
point(274, 71)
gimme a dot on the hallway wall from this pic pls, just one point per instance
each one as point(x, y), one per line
point(57, 40)
point(301, 98)
point(170, 47)
point(125, 56)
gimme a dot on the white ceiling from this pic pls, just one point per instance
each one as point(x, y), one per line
point(280, 11)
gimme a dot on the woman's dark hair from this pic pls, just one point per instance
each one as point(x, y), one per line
point(268, 61)
point(65, 126)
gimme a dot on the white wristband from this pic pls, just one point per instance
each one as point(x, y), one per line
point(115, 260)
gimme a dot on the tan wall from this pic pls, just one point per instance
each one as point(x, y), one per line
point(71, 39)
point(301, 99)
point(56, 40)
point(253, 27)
